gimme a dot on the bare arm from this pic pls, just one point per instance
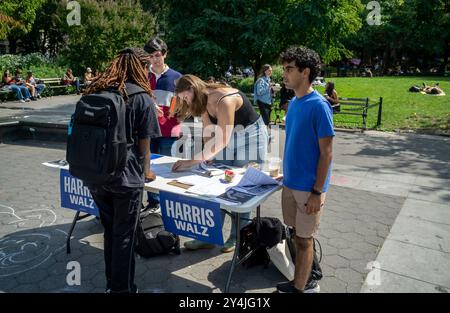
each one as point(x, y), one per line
point(144, 150)
point(326, 155)
point(224, 129)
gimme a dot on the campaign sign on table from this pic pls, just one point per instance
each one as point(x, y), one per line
point(190, 217)
point(75, 195)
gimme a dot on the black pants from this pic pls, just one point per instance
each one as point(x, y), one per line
point(119, 207)
point(265, 110)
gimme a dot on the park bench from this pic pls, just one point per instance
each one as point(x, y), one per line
point(53, 84)
point(358, 107)
point(4, 94)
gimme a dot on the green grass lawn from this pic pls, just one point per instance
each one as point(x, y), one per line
point(401, 109)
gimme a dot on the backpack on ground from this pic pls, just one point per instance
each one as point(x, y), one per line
point(316, 271)
point(151, 237)
point(271, 232)
point(97, 141)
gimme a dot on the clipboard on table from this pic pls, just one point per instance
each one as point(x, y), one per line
point(178, 184)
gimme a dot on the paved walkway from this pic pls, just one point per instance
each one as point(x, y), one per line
point(389, 202)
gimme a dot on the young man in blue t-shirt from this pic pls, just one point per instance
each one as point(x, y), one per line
point(307, 160)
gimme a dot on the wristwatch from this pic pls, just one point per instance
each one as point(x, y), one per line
point(316, 192)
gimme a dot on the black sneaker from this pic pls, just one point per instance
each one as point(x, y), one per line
point(288, 287)
point(312, 286)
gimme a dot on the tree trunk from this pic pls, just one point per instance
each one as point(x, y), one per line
point(12, 45)
point(256, 68)
point(445, 61)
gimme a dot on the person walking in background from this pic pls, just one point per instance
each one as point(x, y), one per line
point(162, 81)
point(263, 93)
point(307, 161)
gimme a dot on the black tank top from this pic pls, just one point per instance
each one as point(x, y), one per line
point(245, 116)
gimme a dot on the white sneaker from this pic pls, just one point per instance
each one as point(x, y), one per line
point(22, 101)
point(27, 100)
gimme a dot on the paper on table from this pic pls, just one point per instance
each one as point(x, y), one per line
point(213, 187)
point(194, 180)
point(57, 164)
point(206, 170)
point(161, 169)
point(254, 177)
point(256, 190)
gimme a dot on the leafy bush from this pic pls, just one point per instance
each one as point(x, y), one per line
point(277, 74)
point(41, 66)
point(244, 85)
point(12, 62)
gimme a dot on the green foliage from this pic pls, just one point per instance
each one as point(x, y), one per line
point(23, 14)
point(205, 36)
point(324, 25)
point(277, 74)
point(41, 66)
point(106, 28)
point(414, 31)
point(244, 85)
point(12, 62)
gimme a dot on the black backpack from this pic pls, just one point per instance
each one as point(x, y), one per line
point(271, 232)
point(316, 271)
point(97, 142)
point(151, 237)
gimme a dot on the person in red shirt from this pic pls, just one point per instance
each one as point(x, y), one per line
point(162, 80)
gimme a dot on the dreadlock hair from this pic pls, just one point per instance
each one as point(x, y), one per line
point(128, 65)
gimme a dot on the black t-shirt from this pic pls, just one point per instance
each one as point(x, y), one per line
point(141, 123)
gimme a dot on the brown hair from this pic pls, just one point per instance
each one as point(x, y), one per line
point(129, 65)
point(264, 68)
point(200, 100)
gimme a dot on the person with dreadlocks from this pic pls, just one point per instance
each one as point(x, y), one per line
point(120, 200)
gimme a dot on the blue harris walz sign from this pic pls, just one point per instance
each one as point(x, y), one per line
point(75, 195)
point(191, 217)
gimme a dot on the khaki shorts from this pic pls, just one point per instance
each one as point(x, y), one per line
point(294, 212)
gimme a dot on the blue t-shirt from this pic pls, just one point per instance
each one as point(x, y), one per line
point(308, 119)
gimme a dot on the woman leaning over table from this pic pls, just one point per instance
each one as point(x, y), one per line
point(242, 138)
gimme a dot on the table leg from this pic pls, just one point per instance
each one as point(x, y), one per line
point(258, 218)
point(75, 219)
point(236, 250)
